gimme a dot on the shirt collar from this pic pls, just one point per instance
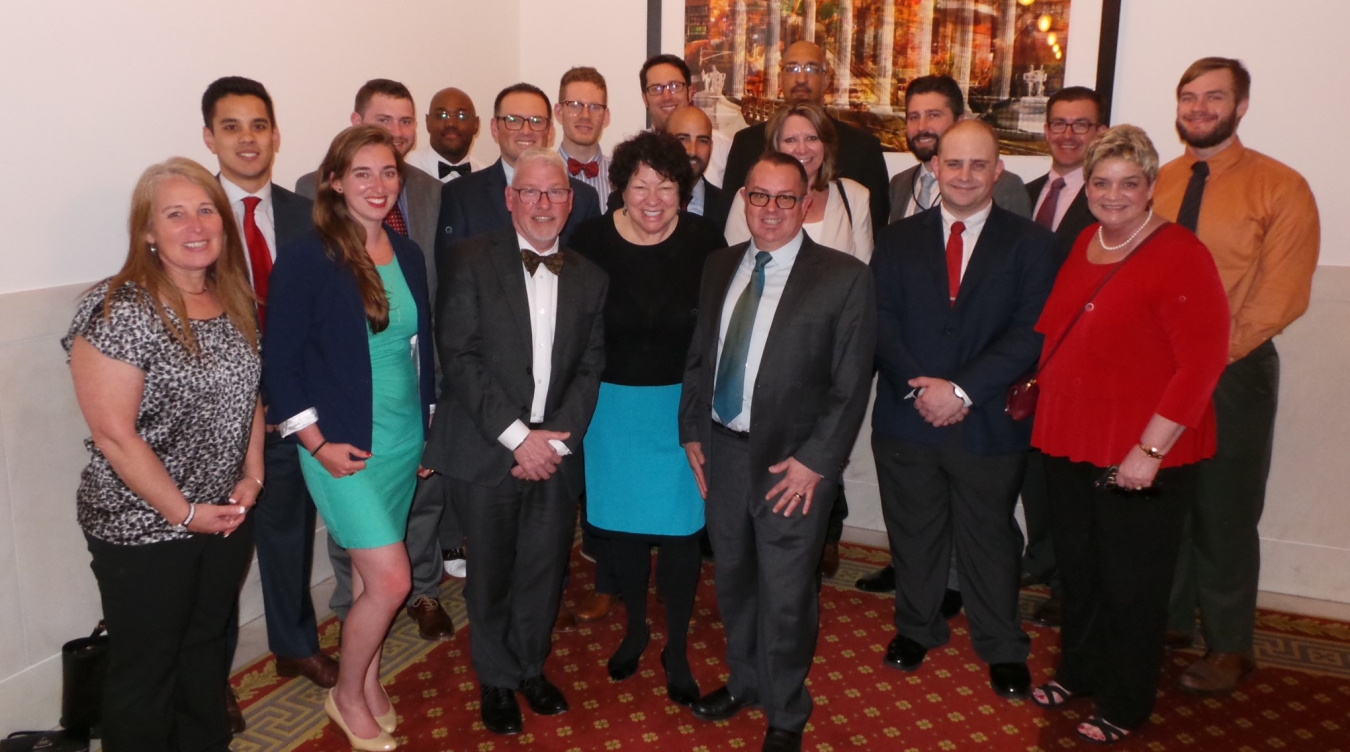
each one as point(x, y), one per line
point(1073, 179)
point(973, 223)
point(1221, 161)
point(509, 170)
point(784, 255)
point(237, 195)
point(525, 244)
point(599, 155)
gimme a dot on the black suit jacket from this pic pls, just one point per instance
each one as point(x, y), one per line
point(292, 215)
point(860, 159)
point(1076, 218)
point(485, 345)
point(981, 344)
point(816, 371)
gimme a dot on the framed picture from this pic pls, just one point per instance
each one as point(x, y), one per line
point(1008, 56)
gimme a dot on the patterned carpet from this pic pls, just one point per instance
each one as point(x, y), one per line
point(1298, 701)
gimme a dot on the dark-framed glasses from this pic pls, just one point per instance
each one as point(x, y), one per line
point(810, 69)
point(575, 108)
point(517, 122)
point(531, 196)
point(460, 115)
point(1079, 126)
point(784, 201)
point(674, 87)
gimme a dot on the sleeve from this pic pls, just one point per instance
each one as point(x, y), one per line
point(291, 300)
point(862, 220)
point(737, 230)
point(120, 325)
point(1011, 194)
point(1193, 310)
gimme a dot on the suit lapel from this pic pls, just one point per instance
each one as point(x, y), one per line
point(722, 275)
point(790, 303)
point(567, 317)
point(984, 257)
point(496, 195)
point(511, 275)
point(905, 194)
point(933, 253)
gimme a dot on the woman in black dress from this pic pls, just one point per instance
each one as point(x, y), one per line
point(640, 490)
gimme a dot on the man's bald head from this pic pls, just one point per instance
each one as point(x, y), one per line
point(452, 124)
point(692, 128)
point(806, 73)
point(968, 167)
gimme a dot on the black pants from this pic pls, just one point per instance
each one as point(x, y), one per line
point(1116, 553)
point(166, 606)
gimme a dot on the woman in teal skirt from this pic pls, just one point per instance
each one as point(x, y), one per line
point(348, 370)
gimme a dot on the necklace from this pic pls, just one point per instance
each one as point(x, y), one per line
point(202, 291)
point(1101, 239)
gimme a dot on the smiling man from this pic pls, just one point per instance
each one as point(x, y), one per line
point(667, 85)
point(452, 125)
point(583, 112)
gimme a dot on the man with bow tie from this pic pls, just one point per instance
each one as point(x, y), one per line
point(521, 339)
point(452, 125)
point(583, 112)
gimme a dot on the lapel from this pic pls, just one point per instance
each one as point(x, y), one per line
point(799, 284)
point(984, 258)
point(1035, 187)
point(292, 215)
point(496, 193)
point(721, 276)
point(511, 276)
point(933, 253)
point(905, 189)
point(568, 314)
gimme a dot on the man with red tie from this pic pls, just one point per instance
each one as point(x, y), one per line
point(240, 129)
point(583, 112)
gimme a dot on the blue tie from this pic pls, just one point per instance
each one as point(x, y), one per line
point(729, 391)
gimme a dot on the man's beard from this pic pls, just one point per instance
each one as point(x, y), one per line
point(1223, 130)
point(925, 153)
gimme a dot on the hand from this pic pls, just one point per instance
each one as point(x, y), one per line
point(218, 518)
point(798, 486)
point(1137, 471)
point(938, 404)
point(694, 452)
point(245, 493)
point(338, 460)
point(535, 459)
point(424, 472)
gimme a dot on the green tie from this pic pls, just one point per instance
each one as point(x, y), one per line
point(729, 391)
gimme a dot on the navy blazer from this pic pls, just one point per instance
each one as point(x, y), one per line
point(982, 344)
point(315, 350)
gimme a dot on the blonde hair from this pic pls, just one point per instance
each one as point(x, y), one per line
point(829, 138)
point(1127, 142)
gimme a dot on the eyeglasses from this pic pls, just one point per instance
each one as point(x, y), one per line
point(575, 108)
point(1079, 126)
point(460, 115)
point(674, 87)
point(531, 196)
point(785, 201)
point(810, 69)
point(517, 122)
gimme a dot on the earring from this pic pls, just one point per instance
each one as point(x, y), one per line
point(154, 248)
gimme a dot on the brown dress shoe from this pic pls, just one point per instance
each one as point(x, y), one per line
point(1178, 640)
point(1216, 673)
point(596, 607)
point(318, 668)
point(232, 709)
point(829, 560)
point(567, 621)
point(432, 621)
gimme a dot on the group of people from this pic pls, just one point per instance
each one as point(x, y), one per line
point(426, 350)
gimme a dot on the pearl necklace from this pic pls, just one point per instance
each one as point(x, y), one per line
point(1101, 239)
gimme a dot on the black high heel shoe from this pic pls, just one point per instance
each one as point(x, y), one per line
point(621, 665)
point(679, 694)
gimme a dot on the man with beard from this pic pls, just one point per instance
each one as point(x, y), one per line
point(1258, 217)
point(452, 125)
point(692, 128)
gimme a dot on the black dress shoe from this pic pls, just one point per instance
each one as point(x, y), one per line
point(501, 714)
point(232, 709)
point(880, 581)
point(542, 696)
point(905, 654)
point(1050, 613)
point(680, 692)
point(720, 705)
point(782, 740)
point(1011, 680)
point(951, 603)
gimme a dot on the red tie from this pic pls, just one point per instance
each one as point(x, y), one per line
point(259, 256)
point(576, 166)
point(395, 220)
point(955, 248)
point(1046, 216)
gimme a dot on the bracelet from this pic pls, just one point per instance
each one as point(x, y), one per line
point(1154, 452)
point(255, 480)
point(192, 512)
point(315, 453)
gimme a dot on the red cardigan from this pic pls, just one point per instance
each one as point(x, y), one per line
point(1155, 340)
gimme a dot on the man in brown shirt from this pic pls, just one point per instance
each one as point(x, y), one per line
point(1259, 219)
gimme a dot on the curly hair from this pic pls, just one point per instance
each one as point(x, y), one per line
point(1127, 142)
point(661, 152)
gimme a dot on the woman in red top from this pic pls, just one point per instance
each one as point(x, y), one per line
point(1124, 416)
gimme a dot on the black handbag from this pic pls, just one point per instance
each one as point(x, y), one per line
point(84, 664)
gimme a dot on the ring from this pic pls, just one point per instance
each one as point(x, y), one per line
point(797, 496)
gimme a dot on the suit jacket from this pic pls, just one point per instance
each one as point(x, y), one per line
point(292, 216)
point(1009, 193)
point(486, 349)
point(982, 344)
point(423, 194)
point(476, 203)
point(816, 371)
point(1076, 218)
point(860, 160)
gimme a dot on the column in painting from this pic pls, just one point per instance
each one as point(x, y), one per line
point(923, 38)
point(738, 51)
point(965, 40)
point(882, 84)
point(772, 55)
point(809, 20)
point(1003, 57)
point(843, 71)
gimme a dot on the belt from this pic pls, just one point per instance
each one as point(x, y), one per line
point(742, 435)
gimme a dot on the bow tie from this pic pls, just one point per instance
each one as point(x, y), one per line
point(590, 168)
point(553, 262)
point(446, 169)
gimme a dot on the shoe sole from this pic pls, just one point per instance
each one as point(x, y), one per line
point(908, 668)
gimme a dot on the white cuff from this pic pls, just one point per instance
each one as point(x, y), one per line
point(298, 421)
point(514, 435)
point(559, 447)
point(961, 393)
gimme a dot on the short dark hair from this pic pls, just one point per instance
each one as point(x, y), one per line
point(582, 75)
point(382, 86)
point(1077, 94)
point(936, 84)
point(779, 159)
point(656, 60)
point(661, 152)
point(234, 86)
point(520, 88)
point(1242, 78)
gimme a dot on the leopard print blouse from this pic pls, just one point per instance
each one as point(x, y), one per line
point(196, 411)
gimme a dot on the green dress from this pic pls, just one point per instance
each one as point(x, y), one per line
point(369, 509)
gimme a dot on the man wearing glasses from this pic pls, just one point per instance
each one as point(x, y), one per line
point(778, 377)
point(666, 87)
point(521, 342)
point(583, 111)
point(452, 125)
point(475, 204)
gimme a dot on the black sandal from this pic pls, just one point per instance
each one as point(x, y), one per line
point(1111, 733)
point(1055, 695)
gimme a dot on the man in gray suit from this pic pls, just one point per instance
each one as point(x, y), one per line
point(777, 381)
point(389, 104)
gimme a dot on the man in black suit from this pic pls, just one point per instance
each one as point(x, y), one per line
point(692, 128)
point(777, 381)
point(806, 76)
point(1073, 121)
point(240, 129)
point(522, 349)
point(955, 329)
point(475, 204)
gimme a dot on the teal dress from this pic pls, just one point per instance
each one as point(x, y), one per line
point(369, 509)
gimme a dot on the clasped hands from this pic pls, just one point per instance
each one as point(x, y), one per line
point(937, 401)
point(536, 458)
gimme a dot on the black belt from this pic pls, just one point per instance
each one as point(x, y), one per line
point(742, 435)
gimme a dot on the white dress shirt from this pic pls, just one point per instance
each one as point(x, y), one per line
point(1073, 183)
point(428, 160)
point(775, 279)
point(969, 237)
point(541, 288)
point(261, 215)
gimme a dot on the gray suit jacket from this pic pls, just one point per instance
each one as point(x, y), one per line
point(1009, 193)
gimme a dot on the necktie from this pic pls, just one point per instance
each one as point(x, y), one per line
point(955, 248)
point(926, 182)
point(395, 220)
point(259, 255)
point(553, 262)
point(459, 169)
point(1189, 216)
point(1046, 216)
point(590, 168)
point(729, 389)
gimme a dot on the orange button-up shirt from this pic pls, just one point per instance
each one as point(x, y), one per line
point(1259, 220)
